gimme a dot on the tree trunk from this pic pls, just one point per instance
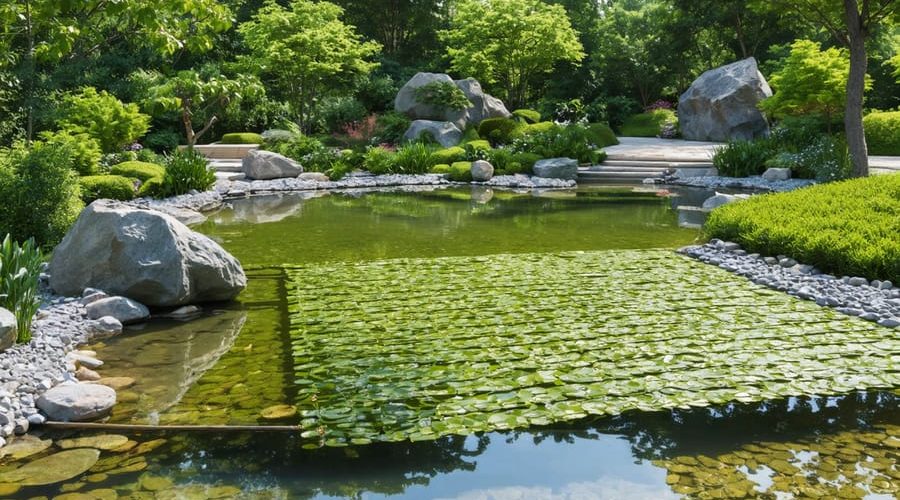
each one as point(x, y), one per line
point(856, 86)
point(30, 91)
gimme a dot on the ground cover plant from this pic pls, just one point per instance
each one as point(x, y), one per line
point(503, 348)
point(847, 228)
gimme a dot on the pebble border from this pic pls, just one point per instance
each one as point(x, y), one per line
point(877, 301)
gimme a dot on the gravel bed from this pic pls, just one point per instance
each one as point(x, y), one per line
point(749, 183)
point(877, 301)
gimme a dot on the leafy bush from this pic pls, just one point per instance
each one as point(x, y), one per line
point(441, 168)
point(743, 158)
point(186, 170)
point(111, 187)
point(460, 171)
point(162, 140)
point(505, 162)
point(138, 170)
point(337, 113)
point(338, 168)
point(572, 141)
point(618, 109)
point(391, 127)
point(470, 134)
point(527, 115)
point(306, 150)
point(111, 122)
point(413, 158)
point(379, 160)
point(648, 124)
point(241, 138)
point(39, 193)
point(539, 128)
point(151, 188)
point(448, 155)
point(883, 132)
point(847, 227)
point(826, 159)
point(442, 95)
point(377, 93)
point(20, 269)
point(85, 151)
point(601, 135)
point(526, 160)
point(499, 130)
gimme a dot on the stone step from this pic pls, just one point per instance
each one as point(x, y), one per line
point(648, 157)
point(647, 170)
point(224, 151)
point(606, 176)
point(230, 165)
point(656, 164)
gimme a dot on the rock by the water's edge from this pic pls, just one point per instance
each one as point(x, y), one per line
point(77, 402)
point(557, 168)
point(9, 329)
point(264, 165)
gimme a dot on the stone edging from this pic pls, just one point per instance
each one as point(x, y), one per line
point(877, 301)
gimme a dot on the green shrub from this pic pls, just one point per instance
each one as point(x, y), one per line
point(539, 128)
point(449, 155)
point(441, 168)
point(527, 115)
point(470, 134)
point(161, 140)
point(138, 170)
point(847, 227)
point(241, 138)
point(379, 160)
point(20, 270)
point(571, 141)
point(186, 170)
point(743, 158)
point(111, 122)
point(648, 124)
point(825, 159)
point(85, 151)
point(391, 127)
point(442, 95)
point(306, 150)
point(39, 193)
point(461, 171)
point(601, 135)
point(338, 169)
point(111, 187)
point(151, 188)
point(526, 160)
point(499, 130)
point(413, 158)
point(883, 132)
point(339, 112)
point(505, 162)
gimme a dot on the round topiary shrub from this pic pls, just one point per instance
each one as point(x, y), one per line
point(461, 171)
point(883, 132)
point(152, 188)
point(111, 187)
point(241, 138)
point(448, 155)
point(499, 130)
point(441, 168)
point(138, 170)
point(527, 115)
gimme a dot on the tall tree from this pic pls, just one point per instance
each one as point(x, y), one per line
point(851, 23)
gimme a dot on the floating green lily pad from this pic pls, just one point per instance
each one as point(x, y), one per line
point(421, 348)
point(24, 446)
point(100, 441)
point(53, 468)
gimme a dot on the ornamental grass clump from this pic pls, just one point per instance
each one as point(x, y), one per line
point(186, 170)
point(845, 228)
point(20, 268)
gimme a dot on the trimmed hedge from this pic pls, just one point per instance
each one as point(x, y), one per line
point(845, 228)
point(500, 130)
point(242, 138)
point(112, 187)
point(152, 188)
point(527, 115)
point(883, 132)
point(648, 124)
point(440, 168)
point(138, 169)
point(539, 128)
point(461, 171)
point(448, 155)
point(602, 135)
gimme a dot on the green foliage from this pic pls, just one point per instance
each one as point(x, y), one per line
point(883, 132)
point(527, 115)
point(85, 150)
point(743, 158)
point(526, 160)
point(572, 141)
point(500, 131)
point(300, 148)
point(162, 140)
point(440, 168)
point(307, 52)
point(460, 171)
point(601, 135)
point(241, 138)
point(338, 112)
point(110, 187)
point(810, 81)
point(449, 155)
point(40, 193)
point(186, 170)
point(152, 188)
point(413, 158)
point(442, 95)
point(379, 160)
point(505, 162)
point(824, 159)
point(100, 115)
point(847, 227)
point(391, 127)
point(20, 270)
point(648, 124)
point(511, 44)
point(470, 134)
point(538, 128)
point(138, 170)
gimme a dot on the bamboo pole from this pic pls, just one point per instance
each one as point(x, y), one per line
point(167, 428)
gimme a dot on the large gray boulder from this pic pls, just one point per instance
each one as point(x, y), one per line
point(557, 168)
point(483, 105)
point(722, 104)
point(77, 402)
point(9, 329)
point(266, 165)
point(145, 255)
point(445, 133)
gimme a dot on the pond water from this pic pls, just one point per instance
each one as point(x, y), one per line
point(239, 364)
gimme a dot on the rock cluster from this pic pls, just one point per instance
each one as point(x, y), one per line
point(445, 133)
point(877, 301)
point(557, 168)
point(749, 183)
point(722, 104)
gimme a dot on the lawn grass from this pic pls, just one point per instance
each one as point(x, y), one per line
point(846, 228)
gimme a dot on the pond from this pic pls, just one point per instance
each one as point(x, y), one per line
point(413, 322)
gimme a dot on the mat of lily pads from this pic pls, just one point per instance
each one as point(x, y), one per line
point(419, 348)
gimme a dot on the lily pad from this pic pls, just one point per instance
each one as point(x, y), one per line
point(279, 412)
point(100, 441)
point(54, 468)
point(24, 446)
